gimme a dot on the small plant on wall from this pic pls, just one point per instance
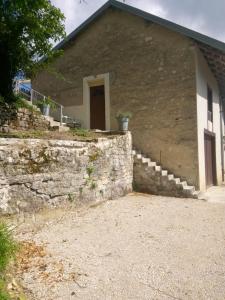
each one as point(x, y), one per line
point(123, 120)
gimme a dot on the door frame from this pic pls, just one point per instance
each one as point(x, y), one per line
point(102, 79)
point(213, 137)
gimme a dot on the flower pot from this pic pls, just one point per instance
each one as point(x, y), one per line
point(45, 109)
point(123, 124)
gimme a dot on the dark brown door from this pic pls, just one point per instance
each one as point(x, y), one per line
point(210, 160)
point(97, 107)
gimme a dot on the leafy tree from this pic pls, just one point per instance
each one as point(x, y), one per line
point(28, 29)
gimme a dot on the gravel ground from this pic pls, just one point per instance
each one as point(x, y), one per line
point(137, 247)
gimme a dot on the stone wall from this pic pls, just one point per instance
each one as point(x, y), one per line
point(36, 173)
point(27, 119)
point(152, 74)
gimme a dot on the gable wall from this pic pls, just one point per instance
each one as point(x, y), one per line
point(151, 73)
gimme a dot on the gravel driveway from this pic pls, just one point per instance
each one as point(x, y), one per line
point(137, 247)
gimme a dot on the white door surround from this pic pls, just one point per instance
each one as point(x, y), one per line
point(102, 79)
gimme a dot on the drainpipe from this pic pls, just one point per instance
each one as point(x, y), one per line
point(221, 133)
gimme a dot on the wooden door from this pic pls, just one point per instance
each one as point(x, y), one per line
point(210, 160)
point(97, 107)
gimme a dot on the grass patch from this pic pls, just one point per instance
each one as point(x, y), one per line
point(3, 293)
point(34, 134)
point(74, 134)
point(8, 248)
point(80, 132)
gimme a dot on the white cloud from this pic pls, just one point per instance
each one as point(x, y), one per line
point(193, 14)
point(77, 11)
point(152, 6)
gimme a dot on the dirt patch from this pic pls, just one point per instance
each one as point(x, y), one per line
point(137, 247)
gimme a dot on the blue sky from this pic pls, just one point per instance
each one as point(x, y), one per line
point(205, 16)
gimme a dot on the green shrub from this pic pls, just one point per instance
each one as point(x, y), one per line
point(21, 103)
point(8, 247)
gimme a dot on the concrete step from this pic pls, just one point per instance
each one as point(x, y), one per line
point(60, 128)
point(158, 168)
point(177, 180)
point(188, 191)
point(170, 176)
point(145, 160)
point(152, 164)
point(164, 173)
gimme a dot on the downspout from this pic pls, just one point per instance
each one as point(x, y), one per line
point(221, 133)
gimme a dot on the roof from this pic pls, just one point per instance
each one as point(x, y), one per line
point(212, 49)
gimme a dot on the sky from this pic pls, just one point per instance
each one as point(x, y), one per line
point(204, 16)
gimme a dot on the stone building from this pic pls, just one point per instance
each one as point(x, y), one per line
point(169, 77)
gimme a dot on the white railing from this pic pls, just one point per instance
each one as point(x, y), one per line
point(35, 98)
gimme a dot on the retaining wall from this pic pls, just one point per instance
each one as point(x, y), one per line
point(35, 173)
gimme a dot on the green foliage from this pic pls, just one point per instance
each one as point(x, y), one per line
point(31, 134)
point(121, 115)
point(47, 101)
point(80, 132)
point(94, 156)
point(8, 247)
point(90, 170)
point(70, 197)
point(93, 185)
point(4, 295)
point(28, 30)
point(21, 103)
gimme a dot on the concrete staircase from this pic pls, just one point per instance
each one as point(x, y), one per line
point(54, 125)
point(151, 178)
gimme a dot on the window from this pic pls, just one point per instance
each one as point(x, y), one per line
point(210, 103)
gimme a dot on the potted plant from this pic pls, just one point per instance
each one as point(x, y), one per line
point(123, 120)
point(45, 104)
